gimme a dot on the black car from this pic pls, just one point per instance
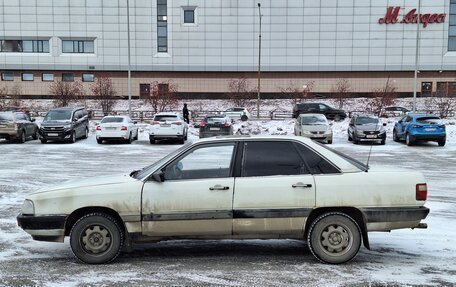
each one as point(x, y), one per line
point(65, 124)
point(366, 128)
point(215, 125)
point(319, 108)
point(394, 112)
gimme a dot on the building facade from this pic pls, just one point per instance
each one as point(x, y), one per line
point(201, 45)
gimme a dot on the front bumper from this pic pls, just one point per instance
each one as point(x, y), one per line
point(56, 136)
point(374, 137)
point(44, 227)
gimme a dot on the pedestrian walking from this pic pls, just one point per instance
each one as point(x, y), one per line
point(185, 113)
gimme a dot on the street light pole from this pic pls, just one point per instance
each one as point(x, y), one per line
point(129, 59)
point(259, 63)
point(417, 52)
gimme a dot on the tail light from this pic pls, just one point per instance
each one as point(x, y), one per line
point(155, 123)
point(442, 126)
point(203, 124)
point(177, 123)
point(98, 128)
point(421, 191)
point(227, 124)
point(123, 128)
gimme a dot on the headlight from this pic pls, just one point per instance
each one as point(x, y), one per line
point(28, 208)
point(360, 132)
point(306, 132)
point(67, 126)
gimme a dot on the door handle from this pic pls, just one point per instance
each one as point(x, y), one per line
point(300, 184)
point(219, 187)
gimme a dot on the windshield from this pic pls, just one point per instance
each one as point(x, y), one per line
point(351, 160)
point(6, 117)
point(429, 120)
point(164, 118)
point(148, 169)
point(58, 115)
point(112, 120)
point(366, 121)
point(314, 120)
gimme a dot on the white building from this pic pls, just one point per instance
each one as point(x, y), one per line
point(201, 45)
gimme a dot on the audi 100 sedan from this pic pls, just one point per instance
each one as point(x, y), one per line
point(231, 187)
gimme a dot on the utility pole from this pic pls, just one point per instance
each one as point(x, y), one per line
point(259, 64)
point(129, 59)
point(417, 52)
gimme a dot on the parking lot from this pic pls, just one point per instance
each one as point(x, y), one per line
point(404, 257)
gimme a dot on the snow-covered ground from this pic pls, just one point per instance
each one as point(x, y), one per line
point(400, 258)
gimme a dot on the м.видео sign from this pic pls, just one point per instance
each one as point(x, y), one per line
point(392, 17)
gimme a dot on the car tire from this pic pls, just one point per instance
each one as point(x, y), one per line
point(73, 137)
point(43, 141)
point(441, 142)
point(186, 135)
point(330, 141)
point(395, 137)
point(96, 238)
point(130, 139)
point(99, 141)
point(349, 138)
point(137, 136)
point(86, 133)
point(409, 140)
point(355, 140)
point(337, 118)
point(244, 118)
point(334, 238)
point(36, 135)
point(22, 137)
point(181, 140)
point(152, 140)
point(383, 142)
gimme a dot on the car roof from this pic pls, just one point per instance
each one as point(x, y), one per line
point(216, 116)
point(167, 114)
point(67, 109)
point(418, 115)
point(312, 115)
point(366, 116)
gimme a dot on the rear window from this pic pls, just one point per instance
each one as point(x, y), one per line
point(429, 120)
point(112, 120)
point(163, 118)
point(214, 120)
point(6, 117)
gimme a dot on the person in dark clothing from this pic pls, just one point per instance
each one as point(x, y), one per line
point(185, 113)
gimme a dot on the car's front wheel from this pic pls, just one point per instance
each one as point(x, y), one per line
point(334, 238)
point(96, 238)
point(395, 137)
point(36, 135)
point(73, 137)
point(244, 118)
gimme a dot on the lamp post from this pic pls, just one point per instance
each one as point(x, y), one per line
point(129, 59)
point(259, 63)
point(417, 51)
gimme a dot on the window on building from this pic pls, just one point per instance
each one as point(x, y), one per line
point(25, 46)
point(446, 89)
point(189, 16)
point(78, 46)
point(88, 77)
point(452, 27)
point(27, 77)
point(68, 77)
point(162, 26)
point(163, 89)
point(7, 76)
point(46, 77)
point(144, 90)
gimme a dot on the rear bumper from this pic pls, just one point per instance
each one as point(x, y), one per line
point(9, 135)
point(43, 228)
point(429, 137)
point(389, 218)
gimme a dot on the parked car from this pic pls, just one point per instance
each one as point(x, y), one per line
point(232, 187)
point(238, 113)
point(314, 126)
point(366, 128)
point(114, 128)
point(319, 108)
point(17, 126)
point(168, 125)
point(65, 124)
point(420, 127)
point(394, 112)
point(215, 125)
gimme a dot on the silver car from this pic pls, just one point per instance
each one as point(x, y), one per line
point(314, 126)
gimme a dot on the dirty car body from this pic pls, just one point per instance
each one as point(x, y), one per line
point(232, 187)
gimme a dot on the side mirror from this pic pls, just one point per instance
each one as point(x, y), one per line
point(384, 124)
point(158, 176)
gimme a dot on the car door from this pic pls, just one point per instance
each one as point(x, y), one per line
point(195, 197)
point(402, 125)
point(274, 193)
point(23, 121)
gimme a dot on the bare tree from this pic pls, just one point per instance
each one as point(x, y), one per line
point(240, 92)
point(296, 93)
point(15, 95)
point(162, 96)
point(341, 91)
point(65, 92)
point(105, 94)
point(382, 97)
point(3, 97)
point(444, 101)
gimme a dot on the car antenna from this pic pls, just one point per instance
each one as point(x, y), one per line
point(372, 144)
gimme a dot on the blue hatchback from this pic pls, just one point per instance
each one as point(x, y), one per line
point(420, 127)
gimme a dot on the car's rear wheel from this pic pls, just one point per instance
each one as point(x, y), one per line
point(186, 135)
point(99, 141)
point(152, 140)
point(130, 139)
point(349, 138)
point(330, 141)
point(137, 135)
point(181, 140)
point(36, 135)
point(86, 133)
point(409, 140)
point(355, 140)
point(441, 142)
point(244, 118)
point(43, 141)
point(334, 238)
point(96, 238)
point(395, 137)
point(22, 137)
point(337, 118)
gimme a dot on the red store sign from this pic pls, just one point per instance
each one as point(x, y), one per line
point(392, 17)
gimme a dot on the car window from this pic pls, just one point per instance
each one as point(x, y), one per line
point(238, 109)
point(211, 120)
point(316, 163)
point(429, 120)
point(112, 120)
point(408, 119)
point(323, 107)
point(212, 161)
point(6, 117)
point(21, 117)
point(271, 158)
point(163, 118)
